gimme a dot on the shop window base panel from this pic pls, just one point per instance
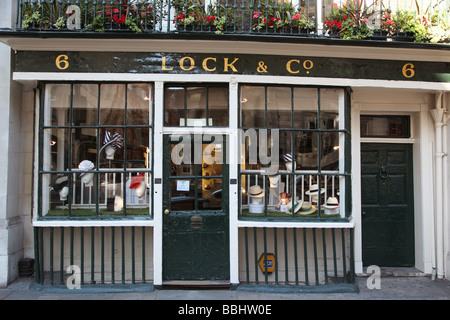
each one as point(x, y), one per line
point(94, 288)
point(277, 288)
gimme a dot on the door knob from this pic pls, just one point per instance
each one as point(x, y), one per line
point(166, 211)
point(383, 173)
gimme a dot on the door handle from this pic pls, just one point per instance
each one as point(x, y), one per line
point(166, 211)
point(383, 173)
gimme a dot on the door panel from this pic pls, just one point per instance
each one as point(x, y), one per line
point(195, 223)
point(387, 205)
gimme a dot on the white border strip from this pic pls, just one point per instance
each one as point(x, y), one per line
point(151, 77)
point(93, 223)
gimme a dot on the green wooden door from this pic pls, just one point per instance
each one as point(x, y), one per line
point(195, 222)
point(387, 205)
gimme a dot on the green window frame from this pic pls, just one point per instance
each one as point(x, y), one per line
point(95, 150)
point(312, 127)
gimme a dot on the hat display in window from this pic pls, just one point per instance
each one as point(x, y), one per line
point(87, 177)
point(61, 186)
point(331, 206)
point(138, 184)
point(289, 161)
point(111, 143)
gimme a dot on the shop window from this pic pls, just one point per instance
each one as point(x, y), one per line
point(293, 144)
point(95, 150)
point(196, 105)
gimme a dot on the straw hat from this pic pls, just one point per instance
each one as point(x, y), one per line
point(256, 192)
point(332, 203)
point(307, 208)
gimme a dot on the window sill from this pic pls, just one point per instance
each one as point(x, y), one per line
point(95, 222)
point(297, 223)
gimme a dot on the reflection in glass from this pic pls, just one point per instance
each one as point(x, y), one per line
point(112, 104)
point(305, 108)
point(174, 106)
point(57, 99)
point(329, 108)
point(218, 106)
point(306, 149)
point(330, 151)
point(139, 102)
point(279, 108)
point(85, 103)
point(196, 107)
point(252, 107)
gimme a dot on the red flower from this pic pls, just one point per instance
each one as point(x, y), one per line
point(119, 20)
point(115, 10)
point(389, 22)
point(210, 18)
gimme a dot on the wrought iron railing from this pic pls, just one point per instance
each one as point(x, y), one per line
point(419, 20)
point(302, 258)
point(93, 255)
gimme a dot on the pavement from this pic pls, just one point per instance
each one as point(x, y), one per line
point(390, 288)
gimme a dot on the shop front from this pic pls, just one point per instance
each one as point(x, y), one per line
point(288, 170)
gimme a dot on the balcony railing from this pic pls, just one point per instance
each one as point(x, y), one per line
point(415, 20)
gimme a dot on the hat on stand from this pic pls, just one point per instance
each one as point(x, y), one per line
point(256, 192)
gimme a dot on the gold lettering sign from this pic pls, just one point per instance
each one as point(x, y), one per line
point(163, 67)
point(205, 64)
point(231, 65)
point(182, 64)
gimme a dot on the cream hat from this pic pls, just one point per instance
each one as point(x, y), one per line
point(307, 208)
point(256, 192)
point(332, 203)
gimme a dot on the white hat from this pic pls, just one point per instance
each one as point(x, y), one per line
point(297, 206)
point(332, 203)
point(314, 189)
point(85, 165)
point(256, 192)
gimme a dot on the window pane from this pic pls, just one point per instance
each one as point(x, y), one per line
point(112, 104)
point(174, 106)
point(85, 103)
point(329, 108)
point(305, 108)
point(182, 194)
point(139, 103)
point(56, 149)
point(329, 151)
point(252, 194)
point(210, 194)
point(279, 107)
point(379, 126)
point(138, 148)
point(57, 102)
point(252, 107)
point(196, 106)
point(218, 106)
point(111, 148)
point(137, 190)
point(306, 150)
